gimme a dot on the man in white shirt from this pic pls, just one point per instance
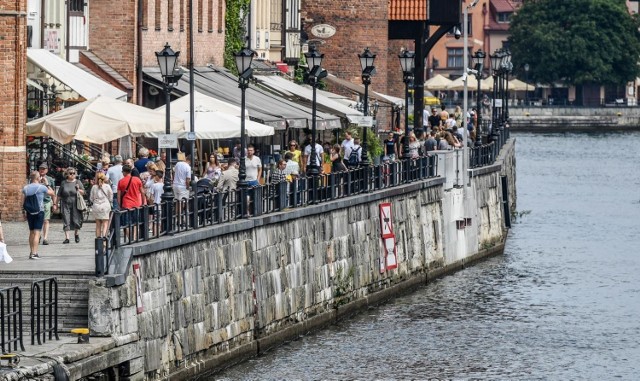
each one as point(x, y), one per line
point(319, 154)
point(347, 145)
point(114, 174)
point(181, 177)
point(253, 166)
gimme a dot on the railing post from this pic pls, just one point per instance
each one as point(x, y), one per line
point(100, 243)
point(116, 228)
point(145, 223)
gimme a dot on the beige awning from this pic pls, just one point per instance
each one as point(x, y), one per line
point(518, 85)
point(101, 120)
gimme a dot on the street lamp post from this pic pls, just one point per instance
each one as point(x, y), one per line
point(526, 78)
point(168, 60)
point(506, 68)
point(496, 60)
point(478, 60)
point(314, 62)
point(243, 64)
point(407, 63)
point(366, 62)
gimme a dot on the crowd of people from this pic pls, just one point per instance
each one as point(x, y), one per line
point(126, 184)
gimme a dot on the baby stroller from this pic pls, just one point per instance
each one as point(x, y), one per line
point(205, 195)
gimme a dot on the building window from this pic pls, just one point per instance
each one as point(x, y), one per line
point(221, 8)
point(455, 57)
point(145, 15)
point(157, 15)
point(504, 17)
point(182, 15)
point(76, 7)
point(170, 15)
point(200, 18)
point(210, 16)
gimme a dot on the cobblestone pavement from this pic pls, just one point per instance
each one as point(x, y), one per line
point(55, 257)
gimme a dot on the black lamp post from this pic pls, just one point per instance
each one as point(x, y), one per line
point(407, 63)
point(478, 64)
point(366, 61)
point(526, 78)
point(508, 66)
point(314, 62)
point(243, 64)
point(168, 60)
point(496, 61)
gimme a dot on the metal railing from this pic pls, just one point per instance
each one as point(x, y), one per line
point(210, 208)
point(11, 319)
point(44, 310)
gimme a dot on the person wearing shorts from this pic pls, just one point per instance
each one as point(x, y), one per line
point(35, 220)
point(49, 201)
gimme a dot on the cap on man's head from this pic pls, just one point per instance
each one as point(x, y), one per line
point(43, 166)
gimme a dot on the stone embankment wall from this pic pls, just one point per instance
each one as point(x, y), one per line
point(550, 119)
point(212, 297)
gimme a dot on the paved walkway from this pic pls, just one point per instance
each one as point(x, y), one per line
point(55, 257)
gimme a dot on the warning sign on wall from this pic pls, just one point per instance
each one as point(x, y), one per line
point(388, 256)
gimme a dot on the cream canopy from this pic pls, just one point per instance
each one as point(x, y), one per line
point(518, 85)
point(472, 84)
point(101, 120)
point(438, 82)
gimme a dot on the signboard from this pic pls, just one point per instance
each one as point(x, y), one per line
point(389, 255)
point(497, 103)
point(168, 141)
point(191, 136)
point(363, 121)
point(323, 30)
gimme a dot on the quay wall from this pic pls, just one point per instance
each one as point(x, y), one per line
point(549, 119)
point(206, 299)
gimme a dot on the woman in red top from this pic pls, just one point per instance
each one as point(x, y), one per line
point(130, 198)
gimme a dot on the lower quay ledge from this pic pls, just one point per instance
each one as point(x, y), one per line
point(72, 357)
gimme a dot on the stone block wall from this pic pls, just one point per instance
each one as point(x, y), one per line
point(228, 292)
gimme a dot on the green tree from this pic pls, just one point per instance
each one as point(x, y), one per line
point(576, 41)
point(234, 39)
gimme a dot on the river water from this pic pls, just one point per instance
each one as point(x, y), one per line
point(562, 303)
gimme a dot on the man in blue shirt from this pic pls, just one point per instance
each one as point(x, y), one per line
point(35, 220)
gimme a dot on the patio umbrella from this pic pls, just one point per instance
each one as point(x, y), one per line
point(458, 84)
point(217, 125)
point(101, 120)
point(202, 103)
point(518, 85)
point(438, 82)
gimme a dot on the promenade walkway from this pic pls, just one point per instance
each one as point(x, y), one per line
point(57, 258)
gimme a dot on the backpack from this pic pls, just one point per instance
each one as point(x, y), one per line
point(31, 204)
point(353, 157)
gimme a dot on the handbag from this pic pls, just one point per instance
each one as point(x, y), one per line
point(80, 203)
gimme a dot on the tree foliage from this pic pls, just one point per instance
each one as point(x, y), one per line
point(576, 41)
point(234, 39)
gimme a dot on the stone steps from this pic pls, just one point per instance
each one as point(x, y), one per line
point(73, 298)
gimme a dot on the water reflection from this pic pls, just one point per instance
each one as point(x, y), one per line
point(562, 303)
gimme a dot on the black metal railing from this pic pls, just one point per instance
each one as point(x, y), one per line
point(11, 319)
point(44, 310)
point(208, 208)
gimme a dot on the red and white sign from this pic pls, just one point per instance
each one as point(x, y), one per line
point(389, 255)
point(391, 252)
point(386, 222)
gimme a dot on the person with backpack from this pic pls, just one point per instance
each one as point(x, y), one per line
point(355, 155)
point(33, 210)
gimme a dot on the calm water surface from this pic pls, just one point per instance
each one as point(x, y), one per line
point(562, 303)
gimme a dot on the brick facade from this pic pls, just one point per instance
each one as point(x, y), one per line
point(113, 32)
point(13, 61)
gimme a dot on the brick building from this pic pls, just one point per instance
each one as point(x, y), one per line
point(99, 36)
point(12, 115)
